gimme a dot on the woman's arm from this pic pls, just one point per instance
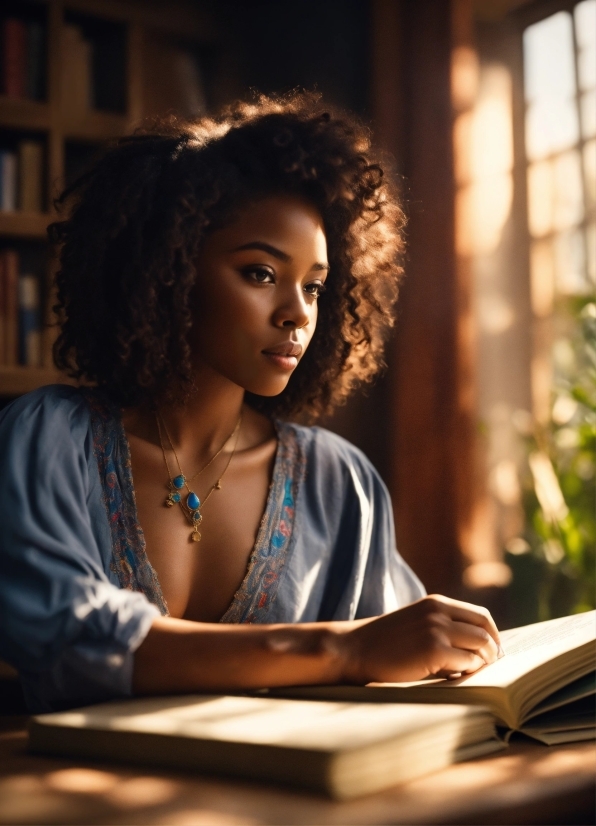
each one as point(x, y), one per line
point(434, 635)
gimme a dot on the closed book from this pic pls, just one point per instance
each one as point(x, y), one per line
point(8, 181)
point(35, 61)
point(29, 321)
point(341, 749)
point(14, 57)
point(77, 58)
point(30, 176)
point(10, 273)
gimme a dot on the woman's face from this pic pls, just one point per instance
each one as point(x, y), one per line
point(258, 280)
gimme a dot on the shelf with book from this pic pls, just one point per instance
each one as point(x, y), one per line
point(24, 114)
point(75, 74)
point(24, 297)
point(94, 67)
point(23, 171)
point(24, 224)
point(23, 38)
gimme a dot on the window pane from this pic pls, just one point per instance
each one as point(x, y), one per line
point(590, 173)
point(585, 32)
point(549, 72)
point(540, 198)
point(549, 82)
point(570, 263)
point(551, 127)
point(585, 23)
point(555, 198)
point(569, 206)
point(588, 114)
point(586, 67)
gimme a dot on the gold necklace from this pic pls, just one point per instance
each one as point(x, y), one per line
point(192, 506)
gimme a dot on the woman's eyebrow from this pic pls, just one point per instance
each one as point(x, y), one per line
point(261, 245)
point(277, 253)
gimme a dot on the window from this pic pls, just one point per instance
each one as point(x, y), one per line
point(560, 142)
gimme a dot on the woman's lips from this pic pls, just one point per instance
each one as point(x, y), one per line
point(283, 362)
point(284, 355)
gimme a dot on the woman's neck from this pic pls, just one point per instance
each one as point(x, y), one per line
point(199, 425)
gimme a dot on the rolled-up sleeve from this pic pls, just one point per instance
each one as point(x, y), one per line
point(68, 630)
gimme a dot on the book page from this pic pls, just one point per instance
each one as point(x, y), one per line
point(532, 645)
point(525, 649)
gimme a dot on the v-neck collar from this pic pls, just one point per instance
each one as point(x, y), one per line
point(130, 563)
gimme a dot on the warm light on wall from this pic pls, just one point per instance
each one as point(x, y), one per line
point(464, 77)
point(487, 575)
point(483, 147)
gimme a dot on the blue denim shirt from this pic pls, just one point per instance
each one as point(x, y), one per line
point(77, 591)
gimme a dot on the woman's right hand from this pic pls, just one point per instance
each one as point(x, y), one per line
point(433, 636)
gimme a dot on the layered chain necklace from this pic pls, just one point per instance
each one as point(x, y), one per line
point(190, 503)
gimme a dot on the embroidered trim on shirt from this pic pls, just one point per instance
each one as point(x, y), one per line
point(130, 563)
point(129, 556)
point(259, 588)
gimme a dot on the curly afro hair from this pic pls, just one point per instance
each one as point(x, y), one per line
point(135, 224)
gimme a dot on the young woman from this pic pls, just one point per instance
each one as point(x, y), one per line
point(217, 280)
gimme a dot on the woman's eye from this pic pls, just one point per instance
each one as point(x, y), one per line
point(262, 275)
point(316, 288)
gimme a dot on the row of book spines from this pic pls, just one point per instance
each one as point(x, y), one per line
point(21, 178)
point(20, 313)
point(22, 66)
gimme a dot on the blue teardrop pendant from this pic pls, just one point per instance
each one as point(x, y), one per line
point(193, 501)
point(179, 481)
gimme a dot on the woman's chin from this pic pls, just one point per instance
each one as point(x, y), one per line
point(268, 390)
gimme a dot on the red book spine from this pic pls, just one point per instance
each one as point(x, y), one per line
point(14, 57)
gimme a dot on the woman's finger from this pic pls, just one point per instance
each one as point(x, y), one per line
point(466, 612)
point(473, 638)
point(458, 660)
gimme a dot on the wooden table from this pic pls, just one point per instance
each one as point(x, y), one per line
point(529, 783)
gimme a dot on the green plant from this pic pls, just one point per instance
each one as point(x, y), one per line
point(560, 483)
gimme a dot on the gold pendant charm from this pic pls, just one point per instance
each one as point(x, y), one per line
point(173, 499)
point(195, 536)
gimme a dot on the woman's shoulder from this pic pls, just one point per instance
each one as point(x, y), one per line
point(329, 454)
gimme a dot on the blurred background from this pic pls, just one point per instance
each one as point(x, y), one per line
point(483, 425)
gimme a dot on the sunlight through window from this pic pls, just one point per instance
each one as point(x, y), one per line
point(560, 89)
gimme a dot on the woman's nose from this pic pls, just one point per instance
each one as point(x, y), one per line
point(293, 312)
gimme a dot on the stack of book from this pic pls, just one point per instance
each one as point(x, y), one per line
point(20, 311)
point(21, 177)
point(22, 63)
point(346, 740)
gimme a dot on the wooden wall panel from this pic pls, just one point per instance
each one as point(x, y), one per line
point(431, 414)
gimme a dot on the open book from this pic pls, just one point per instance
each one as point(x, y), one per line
point(544, 686)
point(332, 741)
point(342, 749)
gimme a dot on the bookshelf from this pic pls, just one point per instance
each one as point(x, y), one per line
point(73, 75)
